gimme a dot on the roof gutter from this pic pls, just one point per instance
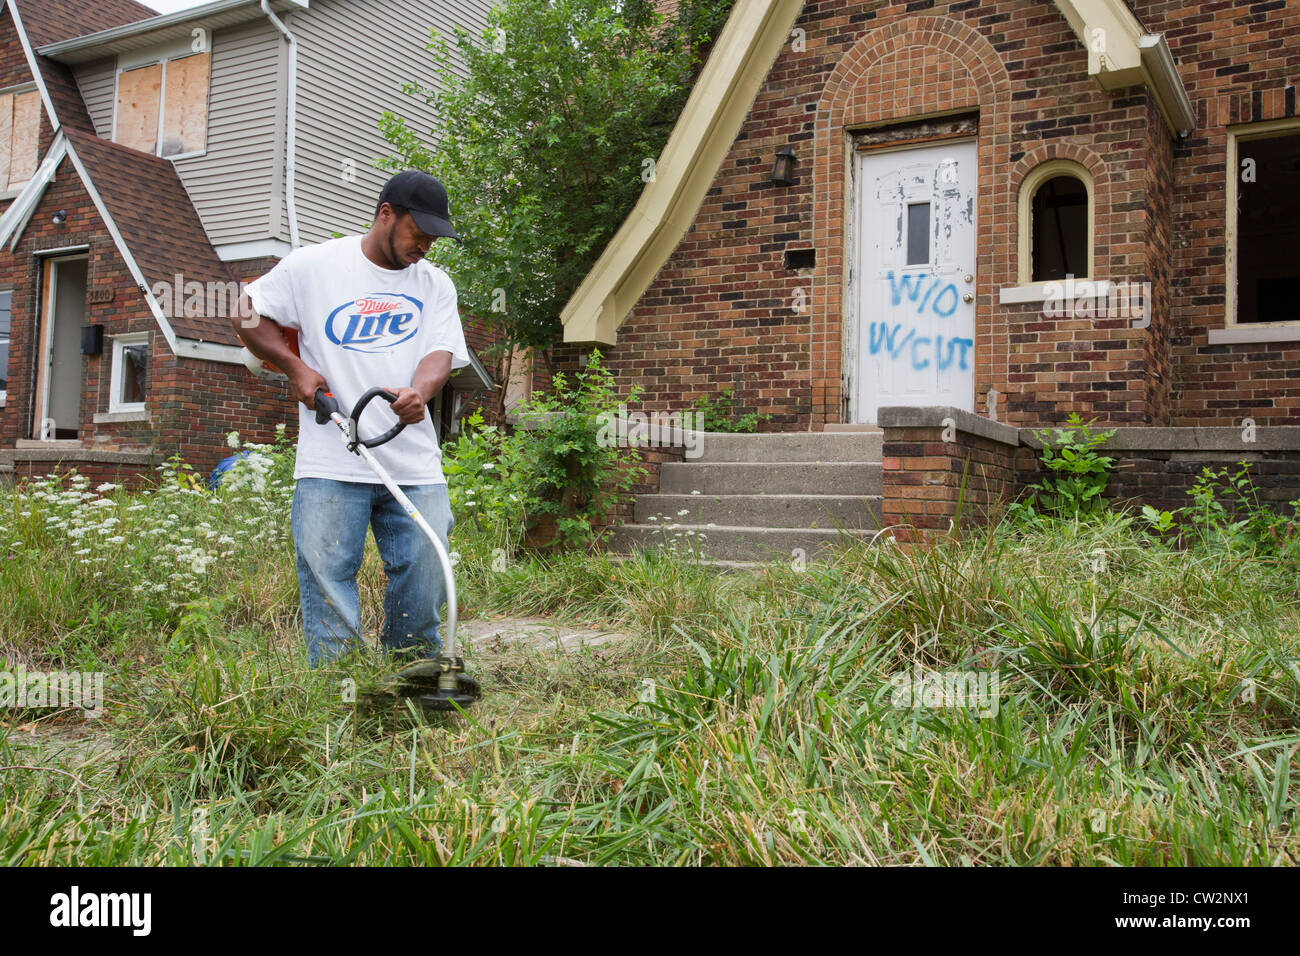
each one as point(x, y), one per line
point(1162, 79)
point(291, 128)
point(1122, 54)
point(136, 28)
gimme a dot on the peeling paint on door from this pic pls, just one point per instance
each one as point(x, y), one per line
point(915, 314)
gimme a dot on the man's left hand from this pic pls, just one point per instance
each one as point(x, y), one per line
point(409, 407)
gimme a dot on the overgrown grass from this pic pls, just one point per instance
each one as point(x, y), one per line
point(1147, 709)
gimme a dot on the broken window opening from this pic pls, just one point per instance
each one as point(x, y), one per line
point(1059, 227)
point(1268, 229)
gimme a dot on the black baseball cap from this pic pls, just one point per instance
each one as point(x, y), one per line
point(424, 197)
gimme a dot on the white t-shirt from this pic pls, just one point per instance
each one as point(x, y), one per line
point(362, 326)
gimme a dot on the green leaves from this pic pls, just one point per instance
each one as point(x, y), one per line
point(544, 124)
point(553, 466)
point(1081, 473)
point(722, 414)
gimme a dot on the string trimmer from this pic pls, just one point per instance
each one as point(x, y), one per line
point(440, 683)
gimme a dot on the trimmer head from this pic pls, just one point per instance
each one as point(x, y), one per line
point(436, 684)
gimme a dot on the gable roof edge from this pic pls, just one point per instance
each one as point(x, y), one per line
point(181, 347)
point(15, 219)
point(713, 116)
point(32, 65)
point(132, 266)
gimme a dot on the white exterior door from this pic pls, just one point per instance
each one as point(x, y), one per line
point(915, 321)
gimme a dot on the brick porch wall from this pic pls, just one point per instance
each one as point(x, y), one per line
point(942, 465)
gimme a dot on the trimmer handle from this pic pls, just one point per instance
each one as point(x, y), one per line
point(326, 405)
point(357, 409)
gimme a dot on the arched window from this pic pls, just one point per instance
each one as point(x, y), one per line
point(1056, 223)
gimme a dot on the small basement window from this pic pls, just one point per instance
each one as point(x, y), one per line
point(129, 380)
point(6, 301)
point(1056, 223)
point(1266, 252)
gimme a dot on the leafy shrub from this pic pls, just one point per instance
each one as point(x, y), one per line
point(720, 415)
point(1079, 473)
point(1226, 513)
point(553, 466)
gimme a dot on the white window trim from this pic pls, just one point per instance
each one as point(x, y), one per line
point(115, 376)
point(1233, 333)
point(177, 50)
point(7, 340)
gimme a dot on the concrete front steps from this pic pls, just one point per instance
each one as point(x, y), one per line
point(758, 497)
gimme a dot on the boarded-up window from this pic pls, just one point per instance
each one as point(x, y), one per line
point(185, 105)
point(138, 100)
point(175, 92)
point(20, 127)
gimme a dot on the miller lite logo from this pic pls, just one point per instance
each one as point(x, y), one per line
point(375, 323)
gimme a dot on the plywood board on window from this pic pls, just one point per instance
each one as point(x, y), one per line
point(25, 134)
point(6, 137)
point(138, 94)
point(185, 105)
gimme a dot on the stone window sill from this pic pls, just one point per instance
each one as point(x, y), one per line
point(47, 444)
point(1039, 292)
point(1239, 334)
point(110, 418)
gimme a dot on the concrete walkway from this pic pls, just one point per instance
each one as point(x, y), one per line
point(488, 634)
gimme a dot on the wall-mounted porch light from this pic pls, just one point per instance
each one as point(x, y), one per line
point(60, 217)
point(783, 170)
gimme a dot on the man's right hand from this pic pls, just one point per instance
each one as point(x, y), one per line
point(303, 382)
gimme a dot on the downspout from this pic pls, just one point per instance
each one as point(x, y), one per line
point(291, 128)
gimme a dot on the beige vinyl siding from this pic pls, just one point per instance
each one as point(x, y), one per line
point(97, 84)
point(380, 44)
point(234, 185)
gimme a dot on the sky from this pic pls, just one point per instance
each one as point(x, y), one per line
point(169, 6)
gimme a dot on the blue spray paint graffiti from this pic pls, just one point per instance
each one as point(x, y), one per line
point(913, 284)
point(925, 291)
point(885, 337)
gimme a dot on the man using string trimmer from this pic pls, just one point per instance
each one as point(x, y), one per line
point(370, 311)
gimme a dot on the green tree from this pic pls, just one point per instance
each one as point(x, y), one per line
point(548, 134)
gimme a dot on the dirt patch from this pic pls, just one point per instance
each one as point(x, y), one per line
point(540, 633)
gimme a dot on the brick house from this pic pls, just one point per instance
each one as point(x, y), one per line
point(889, 215)
point(150, 164)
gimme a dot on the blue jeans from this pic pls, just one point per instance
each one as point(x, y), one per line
point(330, 519)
